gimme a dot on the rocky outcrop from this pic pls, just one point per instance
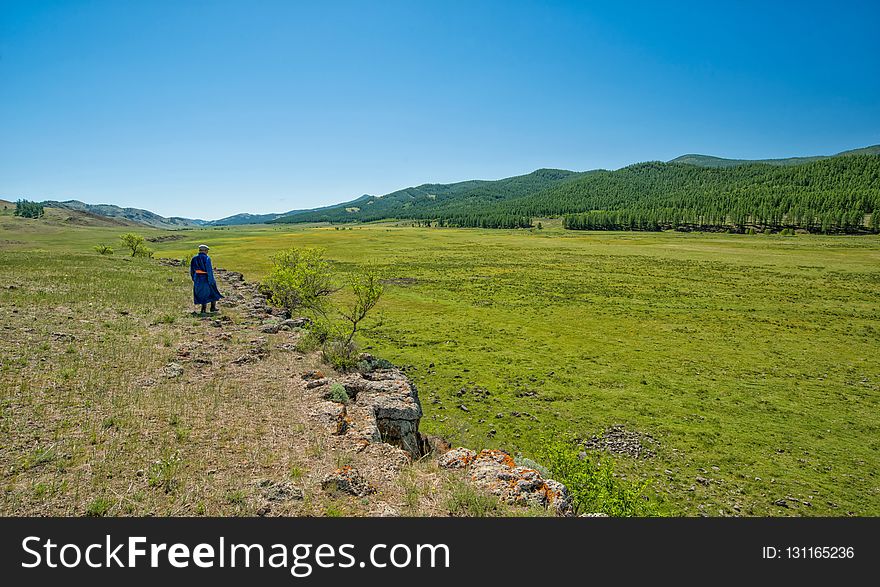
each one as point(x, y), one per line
point(381, 419)
point(495, 471)
point(391, 401)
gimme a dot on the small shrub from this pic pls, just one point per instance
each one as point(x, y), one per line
point(166, 319)
point(339, 353)
point(528, 463)
point(98, 507)
point(236, 497)
point(338, 394)
point(103, 249)
point(163, 472)
point(310, 341)
point(593, 486)
point(751, 231)
point(370, 365)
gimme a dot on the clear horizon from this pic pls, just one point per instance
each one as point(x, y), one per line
point(209, 110)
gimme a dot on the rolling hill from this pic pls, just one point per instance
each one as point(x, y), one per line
point(429, 200)
point(822, 194)
point(710, 161)
point(819, 193)
point(135, 215)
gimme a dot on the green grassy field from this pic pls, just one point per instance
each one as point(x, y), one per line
point(753, 361)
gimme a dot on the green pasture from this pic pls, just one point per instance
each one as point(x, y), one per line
point(752, 361)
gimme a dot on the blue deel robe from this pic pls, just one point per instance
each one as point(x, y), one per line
point(204, 286)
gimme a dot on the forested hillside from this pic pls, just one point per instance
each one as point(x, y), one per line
point(835, 194)
point(432, 201)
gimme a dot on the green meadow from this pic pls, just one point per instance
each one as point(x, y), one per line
point(753, 362)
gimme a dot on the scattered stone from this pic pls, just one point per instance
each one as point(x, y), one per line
point(63, 337)
point(295, 323)
point(172, 370)
point(275, 491)
point(316, 383)
point(702, 481)
point(313, 375)
point(270, 328)
point(618, 440)
point(347, 480)
point(383, 510)
point(463, 408)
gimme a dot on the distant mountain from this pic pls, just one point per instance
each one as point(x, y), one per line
point(246, 218)
point(821, 187)
point(427, 200)
point(131, 214)
point(710, 161)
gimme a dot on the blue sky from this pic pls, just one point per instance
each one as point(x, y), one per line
point(205, 109)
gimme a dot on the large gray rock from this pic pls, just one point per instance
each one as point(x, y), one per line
point(394, 403)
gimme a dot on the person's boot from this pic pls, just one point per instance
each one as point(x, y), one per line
point(203, 309)
point(213, 307)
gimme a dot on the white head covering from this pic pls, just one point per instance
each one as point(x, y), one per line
point(204, 247)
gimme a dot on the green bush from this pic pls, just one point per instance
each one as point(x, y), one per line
point(338, 394)
point(340, 353)
point(593, 486)
point(103, 249)
point(372, 364)
point(300, 279)
point(133, 242)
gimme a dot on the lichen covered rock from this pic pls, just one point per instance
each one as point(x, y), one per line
point(496, 472)
point(347, 480)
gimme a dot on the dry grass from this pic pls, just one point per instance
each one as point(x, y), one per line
point(95, 423)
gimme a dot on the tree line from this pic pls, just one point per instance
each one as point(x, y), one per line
point(834, 195)
point(28, 209)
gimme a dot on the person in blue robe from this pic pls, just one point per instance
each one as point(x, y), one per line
point(204, 285)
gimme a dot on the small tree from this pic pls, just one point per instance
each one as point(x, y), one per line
point(103, 249)
point(133, 242)
point(300, 279)
point(367, 288)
